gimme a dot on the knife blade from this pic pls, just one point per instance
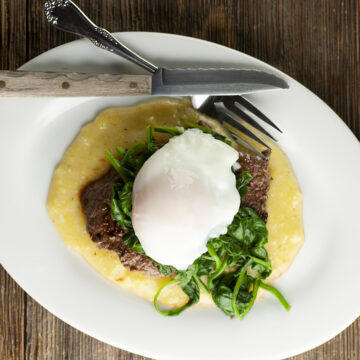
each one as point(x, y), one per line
point(213, 82)
point(164, 82)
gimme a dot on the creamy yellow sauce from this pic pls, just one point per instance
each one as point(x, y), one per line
point(84, 162)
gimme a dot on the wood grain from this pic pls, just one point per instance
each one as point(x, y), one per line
point(315, 41)
point(52, 84)
point(12, 318)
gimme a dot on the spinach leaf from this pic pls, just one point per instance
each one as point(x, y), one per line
point(222, 296)
point(222, 138)
point(121, 204)
point(190, 288)
point(205, 129)
point(164, 269)
point(241, 183)
point(190, 124)
point(205, 265)
point(231, 302)
point(223, 270)
point(172, 130)
point(277, 294)
point(132, 242)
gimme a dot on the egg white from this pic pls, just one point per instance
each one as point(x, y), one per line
point(183, 195)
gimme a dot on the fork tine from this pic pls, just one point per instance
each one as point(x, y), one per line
point(238, 126)
point(243, 142)
point(230, 105)
point(242, 101)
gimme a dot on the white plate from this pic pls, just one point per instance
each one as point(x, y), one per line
point(322, 285)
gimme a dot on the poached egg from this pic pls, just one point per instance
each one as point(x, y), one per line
point(184, 194)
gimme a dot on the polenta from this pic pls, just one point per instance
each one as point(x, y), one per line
point(84, 162)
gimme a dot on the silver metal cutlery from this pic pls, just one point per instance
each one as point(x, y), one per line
point(215, 92)
point(66, 16)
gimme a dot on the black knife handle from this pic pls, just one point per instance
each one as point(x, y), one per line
point(66, 16)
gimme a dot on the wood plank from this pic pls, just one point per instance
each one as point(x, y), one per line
point(49, 338)
point(12, 298)
point(13, 34)
point(12, 318)
point(315, 41)
point(344, 346)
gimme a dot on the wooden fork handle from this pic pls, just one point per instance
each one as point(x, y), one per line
point(51, 84)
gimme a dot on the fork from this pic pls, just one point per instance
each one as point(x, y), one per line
point(66, 16)
point(226, 109)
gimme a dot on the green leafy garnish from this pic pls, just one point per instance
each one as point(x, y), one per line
point(121, 204)
point(190, 288)
point(172, 130)
point(235, 264)
point(207, 130)
point(241, 183)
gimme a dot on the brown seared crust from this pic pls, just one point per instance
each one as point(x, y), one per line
point(105, 231)
point(108, 234)
point(258, 187)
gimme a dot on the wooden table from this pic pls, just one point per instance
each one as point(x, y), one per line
point(317, 42)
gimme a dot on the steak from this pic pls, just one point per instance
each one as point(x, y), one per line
point(105, 231)
point(259, 185)
point(108, 234)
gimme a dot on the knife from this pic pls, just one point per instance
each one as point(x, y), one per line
point(66, 16)
point(163, 82)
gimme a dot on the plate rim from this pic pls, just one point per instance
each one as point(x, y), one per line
point(29, 63)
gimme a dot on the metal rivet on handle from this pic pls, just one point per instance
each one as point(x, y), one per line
point(65, 85)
